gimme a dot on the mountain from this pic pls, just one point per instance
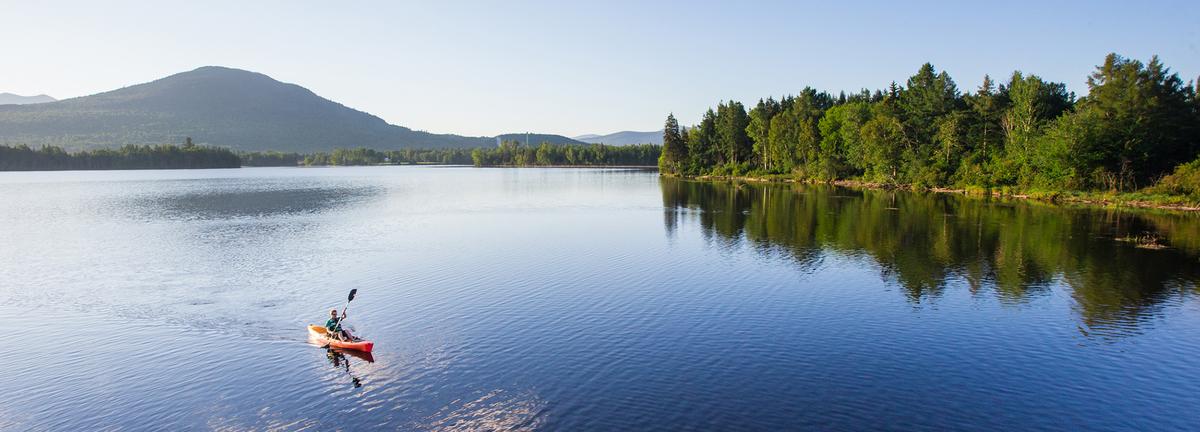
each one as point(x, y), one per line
point(15, 99)
point(624, 138)
point(213, 105)
point(536, 139)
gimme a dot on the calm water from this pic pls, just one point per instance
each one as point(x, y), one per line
point(572, 299)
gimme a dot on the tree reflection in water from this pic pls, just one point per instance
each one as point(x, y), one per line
point(1018, 250)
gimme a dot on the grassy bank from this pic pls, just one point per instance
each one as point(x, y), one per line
point(1140, 199)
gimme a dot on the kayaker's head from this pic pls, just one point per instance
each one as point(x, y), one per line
point(333, 313)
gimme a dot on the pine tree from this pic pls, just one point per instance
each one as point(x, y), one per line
point(702, 142)
point(674, 150)
point(734, 143)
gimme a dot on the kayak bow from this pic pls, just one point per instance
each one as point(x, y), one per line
point(321, 334)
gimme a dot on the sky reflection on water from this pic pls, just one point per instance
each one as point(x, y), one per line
point(559, 299)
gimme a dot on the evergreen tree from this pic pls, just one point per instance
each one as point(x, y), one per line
point(674, 149)
point(807, 110)
point(983, 135)
point(1137, 123)
point(735, 146)
point(1147, 121)
point(702, 142)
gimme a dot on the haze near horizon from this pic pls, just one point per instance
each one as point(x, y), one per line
point(482, 69)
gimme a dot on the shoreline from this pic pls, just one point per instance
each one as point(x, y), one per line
point(570, 166)
point(1091, 199)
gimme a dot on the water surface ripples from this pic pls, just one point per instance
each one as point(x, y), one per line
point(557, 299)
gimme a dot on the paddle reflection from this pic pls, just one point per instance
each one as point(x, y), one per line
point(340, 359)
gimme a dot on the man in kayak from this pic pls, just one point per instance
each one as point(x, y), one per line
point(334, 325)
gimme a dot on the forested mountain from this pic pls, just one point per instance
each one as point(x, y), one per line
point(1138, 122)
point(534, 139)
point(215, 106)
point(16, 99)
point(624, 138)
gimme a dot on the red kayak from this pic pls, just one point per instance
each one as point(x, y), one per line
point(321, 335)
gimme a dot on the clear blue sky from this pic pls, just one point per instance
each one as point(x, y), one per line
point(483, 68)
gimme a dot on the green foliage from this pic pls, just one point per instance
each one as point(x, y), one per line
point(733, 143)
point(929, 96)
point(1148, 122)
point(778, 156)
point(48, 158)
point(1033, 104)
point(1184, 181)
point(759, 128)
point(270, 159)
point(841, 152)
point(674, 150)
point(702, 143)
point(883, 145)
point(1137, 123)
point(512, 153)
point(365, 156)
point(984, 134)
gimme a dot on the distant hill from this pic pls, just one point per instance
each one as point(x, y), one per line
point(535, 139)
point(216, 106)
point(15, 99)
point(624, 138)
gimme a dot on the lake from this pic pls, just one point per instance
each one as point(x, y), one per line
point(584, 299)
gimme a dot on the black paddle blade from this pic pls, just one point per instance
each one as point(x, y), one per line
point(352, 293)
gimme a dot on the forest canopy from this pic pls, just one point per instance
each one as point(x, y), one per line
point(1136, 124)
point(512, 153)
point(169, 156)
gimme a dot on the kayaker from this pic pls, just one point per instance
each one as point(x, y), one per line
point(334, 325)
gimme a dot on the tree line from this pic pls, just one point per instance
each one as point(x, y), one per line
point(358, 156)
point(168, 156)
point(1136, 124)
point(512, 153)
point(366, 156)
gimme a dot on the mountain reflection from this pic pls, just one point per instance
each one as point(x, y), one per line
point(1120, 267)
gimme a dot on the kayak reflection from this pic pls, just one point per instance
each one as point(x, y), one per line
point(341, 360)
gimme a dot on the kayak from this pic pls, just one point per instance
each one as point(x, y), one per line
point(321, 334)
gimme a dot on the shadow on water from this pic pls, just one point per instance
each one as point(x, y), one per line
point(1120, 266)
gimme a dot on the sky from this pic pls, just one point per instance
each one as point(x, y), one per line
point(483, 68)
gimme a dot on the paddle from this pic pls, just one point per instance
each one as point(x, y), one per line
point(349, 298)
